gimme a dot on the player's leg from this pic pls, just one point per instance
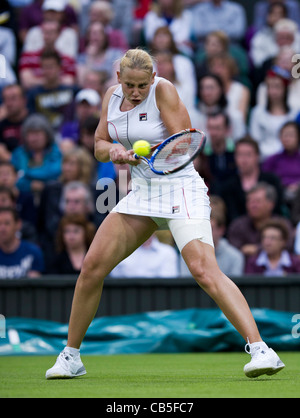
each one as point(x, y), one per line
point(117, 237)
point(201, 261)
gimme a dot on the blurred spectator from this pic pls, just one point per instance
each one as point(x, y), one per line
point(286, 34)
point(15, 104)
point(286, 164)
point(230, 260)
point(264, 41)
point(27, 229)
point(30, 69)
point(211, 99)
point(74, 236)
point(237, 94)
point(77, 198)
point(220, 149)
point(38, 160)
point(88, 103)
point(7, 14)
point(23, 201)
point(7, 77)
point(265, 122)
point(67, 41)
point(76, 166)
point(191, 3)
point(163, 41)
point(124, 16)
point(18, 258)
point(96, 80)
point(228, 16)
point(8, 44)
point(98, 55)
point(261, 10)
point(52, 99)
point(87, 140)
point(249, 173)
point(142, 7)
point(159, 261)
point(119, 14)
point(244, 232)
point(165, 68)
point(283, 63)
point(104, 12)
point(73, 198)
point(172, 14)
point(33, 15)
point(218, 42)
point(8, 47)
point(273, 259)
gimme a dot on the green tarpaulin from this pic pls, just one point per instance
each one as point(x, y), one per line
point(190, 330)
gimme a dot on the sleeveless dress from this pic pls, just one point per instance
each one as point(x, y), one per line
point(181, 195)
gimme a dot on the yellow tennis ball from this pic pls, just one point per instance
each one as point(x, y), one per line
point(142, 148)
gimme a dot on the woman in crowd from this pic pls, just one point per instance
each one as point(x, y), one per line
point(265, 121)
point(74, 236)
point(98, 54)
point(39, 159)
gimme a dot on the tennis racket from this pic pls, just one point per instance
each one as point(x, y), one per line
point(175, 152)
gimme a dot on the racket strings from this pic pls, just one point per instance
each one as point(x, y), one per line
point(178, 151)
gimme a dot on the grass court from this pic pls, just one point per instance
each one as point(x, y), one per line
point(196, 375)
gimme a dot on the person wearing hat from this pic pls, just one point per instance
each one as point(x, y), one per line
point(87, 103)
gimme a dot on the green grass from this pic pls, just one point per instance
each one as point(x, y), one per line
point(201, 375)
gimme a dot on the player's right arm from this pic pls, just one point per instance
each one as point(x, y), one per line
point(105, 150)
point(103, 142)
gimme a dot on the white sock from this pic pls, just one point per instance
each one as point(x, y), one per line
point(260, 344)
point(72, 351)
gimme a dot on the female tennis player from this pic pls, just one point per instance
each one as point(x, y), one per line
point(144, 106)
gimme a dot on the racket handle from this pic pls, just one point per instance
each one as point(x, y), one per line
point(137, 157)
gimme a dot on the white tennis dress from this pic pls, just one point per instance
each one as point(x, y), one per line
point(181, 195)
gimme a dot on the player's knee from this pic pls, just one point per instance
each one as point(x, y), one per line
point(203, 277)
point(90, 274)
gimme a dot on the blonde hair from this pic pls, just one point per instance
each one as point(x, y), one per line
point(105, 8)
point(137, 59)
point(222, 37)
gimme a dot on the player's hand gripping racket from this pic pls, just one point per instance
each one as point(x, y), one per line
point(176, 152)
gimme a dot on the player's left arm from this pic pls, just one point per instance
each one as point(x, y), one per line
point(172, 110)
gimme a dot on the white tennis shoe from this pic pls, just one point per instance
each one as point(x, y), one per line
point(66, 366)
point(264, 360)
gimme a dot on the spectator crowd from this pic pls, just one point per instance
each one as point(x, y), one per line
point(239, 77)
